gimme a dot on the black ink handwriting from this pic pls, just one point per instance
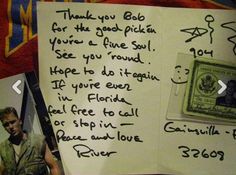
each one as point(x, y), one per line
point(85, 151)
point(68, 15)
point(231, 39)
point(210, 130)
point(61, 136)
point(202, 153)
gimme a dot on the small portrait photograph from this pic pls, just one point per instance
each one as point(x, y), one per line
point(27, 143)
point(229, 97)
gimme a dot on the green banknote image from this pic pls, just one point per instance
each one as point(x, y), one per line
point(206, 96)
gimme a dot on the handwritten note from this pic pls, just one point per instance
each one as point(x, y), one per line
point(106, 72)
point(97, 68)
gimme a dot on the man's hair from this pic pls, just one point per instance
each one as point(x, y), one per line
point(6, 111)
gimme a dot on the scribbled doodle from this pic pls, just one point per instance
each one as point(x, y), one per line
point(196, 32)
point(232, 39)
point(209, 19)
point(181, 75)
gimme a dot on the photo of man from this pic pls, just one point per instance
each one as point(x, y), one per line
point(24, 153)
point(229, 99)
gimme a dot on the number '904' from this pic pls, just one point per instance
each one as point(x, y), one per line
point(204, 153)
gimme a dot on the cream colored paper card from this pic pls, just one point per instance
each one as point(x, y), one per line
point(100, 75)
point(193, 147)
point(83, 47)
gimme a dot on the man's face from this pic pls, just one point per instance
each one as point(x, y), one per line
point(12, 124)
